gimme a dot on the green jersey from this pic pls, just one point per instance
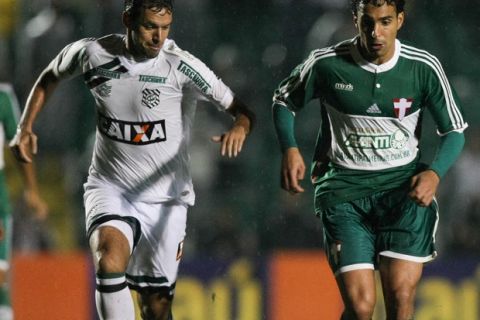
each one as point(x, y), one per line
point(8, 114)
point(371, 116)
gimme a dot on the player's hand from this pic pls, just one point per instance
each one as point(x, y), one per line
point(231, 141)
point(423, 187)
point(24, 145)
point(293, 170)
point(36, 204)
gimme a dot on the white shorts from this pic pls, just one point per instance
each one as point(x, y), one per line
point(158, 232)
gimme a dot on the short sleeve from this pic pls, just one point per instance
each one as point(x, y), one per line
point(9, 110)
point(69, 62)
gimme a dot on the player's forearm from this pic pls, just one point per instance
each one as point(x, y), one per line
point(29, 177)
point(41, 91)
point(284, 126)
point(448, 151)
point(244, 117)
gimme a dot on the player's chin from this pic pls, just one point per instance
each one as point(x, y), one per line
point(150, 54)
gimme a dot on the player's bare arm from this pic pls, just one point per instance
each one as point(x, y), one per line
point(24, 144)
point(31, 194)
point(293, 170)
point(232, 141)
point(423, 187)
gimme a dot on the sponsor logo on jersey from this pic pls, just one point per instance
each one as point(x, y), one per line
point(344, 86)
point(139, 133)
point(397, 140)
point(106, 73)
point(103, 73)
point(153, 79)
point(190, 72)
point(374, 109)
point(150, 98)
point(401, 106)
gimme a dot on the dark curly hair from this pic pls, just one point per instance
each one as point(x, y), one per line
point(355, 4)
point(134, 7)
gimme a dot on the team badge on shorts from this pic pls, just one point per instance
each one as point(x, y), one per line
point(335, 249)
point(151, 98)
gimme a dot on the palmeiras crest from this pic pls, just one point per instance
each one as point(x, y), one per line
point(151, 98)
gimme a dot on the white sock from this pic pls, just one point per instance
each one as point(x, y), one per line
point(6, 313)
point(113, 298)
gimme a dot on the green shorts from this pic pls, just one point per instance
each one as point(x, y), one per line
point(6, 242)
point(387, 223)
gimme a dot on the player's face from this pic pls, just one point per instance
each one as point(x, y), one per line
point(149, 32)
point(378, 28)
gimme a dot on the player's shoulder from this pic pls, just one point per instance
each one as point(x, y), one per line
point(329, 57)
point(337, 50)
point(113, 43)
point(174, 52)
point(416, 54)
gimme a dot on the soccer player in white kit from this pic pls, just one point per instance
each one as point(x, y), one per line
point(139, 185)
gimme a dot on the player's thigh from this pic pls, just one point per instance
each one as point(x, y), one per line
point(399, 274)
point(155, 261)
point(407, 230)
point(111, 244)
point(349, 239)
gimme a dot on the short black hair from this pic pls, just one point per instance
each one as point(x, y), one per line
point(134, 7)
point(355, 4)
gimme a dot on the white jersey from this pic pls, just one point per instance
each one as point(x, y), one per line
point(145, 111)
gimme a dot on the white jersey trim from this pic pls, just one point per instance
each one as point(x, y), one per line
point(371, 67)
point(452, 108)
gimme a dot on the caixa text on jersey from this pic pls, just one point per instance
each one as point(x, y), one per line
point(139, 133)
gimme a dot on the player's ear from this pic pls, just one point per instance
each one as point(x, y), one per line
point(400, 19)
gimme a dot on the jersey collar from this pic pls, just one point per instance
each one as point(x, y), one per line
point(371, 67)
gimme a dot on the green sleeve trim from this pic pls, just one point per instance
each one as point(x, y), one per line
point(449, 150)
point(284, 121)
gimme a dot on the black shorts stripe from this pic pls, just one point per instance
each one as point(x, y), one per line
point(134, 223)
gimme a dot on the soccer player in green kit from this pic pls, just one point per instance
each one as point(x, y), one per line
point(8, 127)
point(375, 199)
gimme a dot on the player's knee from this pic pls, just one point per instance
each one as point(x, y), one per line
point(110, 250)
point(403, 297)
point(363, 306)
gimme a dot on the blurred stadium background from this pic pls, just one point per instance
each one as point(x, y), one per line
point(253, 251)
